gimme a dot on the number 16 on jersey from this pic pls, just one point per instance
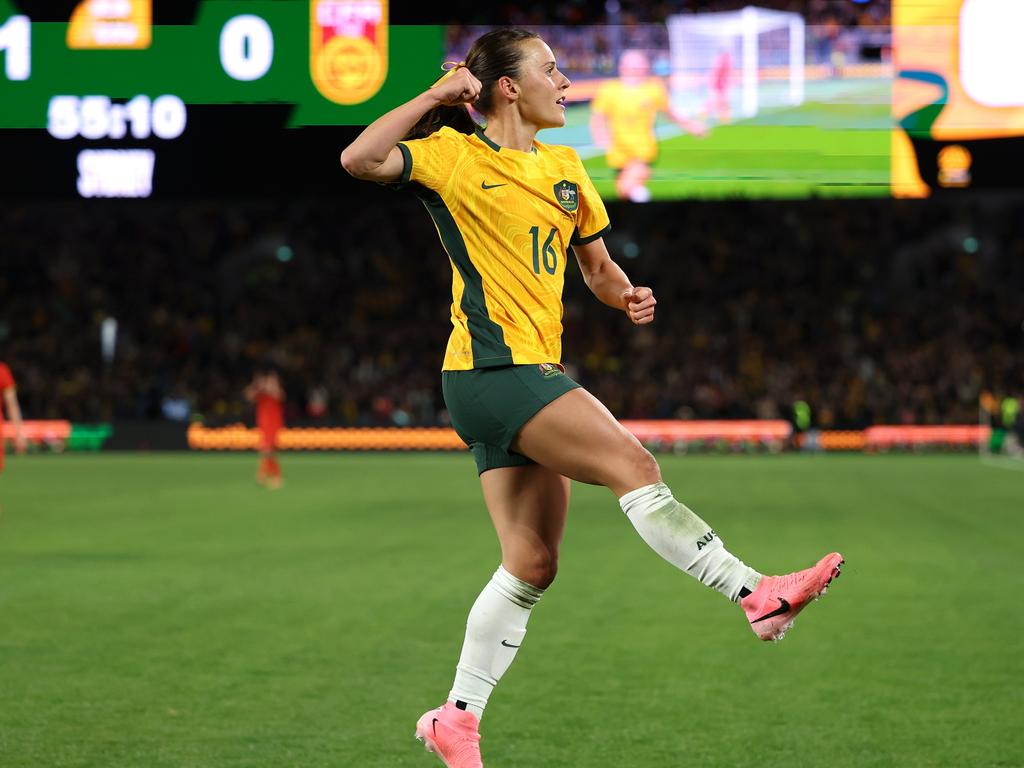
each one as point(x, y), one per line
point(550, 255)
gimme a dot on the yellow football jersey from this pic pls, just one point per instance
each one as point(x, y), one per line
point(506, 219)
point(631, 111)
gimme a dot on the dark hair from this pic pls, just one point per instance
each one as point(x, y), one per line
point(494, 55)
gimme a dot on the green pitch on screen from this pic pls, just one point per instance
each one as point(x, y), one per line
point(184, 61)
point(165, 611)
point(821, 148)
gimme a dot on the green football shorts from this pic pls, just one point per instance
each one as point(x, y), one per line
point(488, 407)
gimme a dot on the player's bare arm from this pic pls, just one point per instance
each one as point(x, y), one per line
point(689, 124)
point(609, 283)
point(374, 156)
point(599, 130)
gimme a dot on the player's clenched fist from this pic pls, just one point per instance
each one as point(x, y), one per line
point(458, 88)
point(639, 305)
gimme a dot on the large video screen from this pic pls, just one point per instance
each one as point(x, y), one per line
point(747, 103)
point(140, 98)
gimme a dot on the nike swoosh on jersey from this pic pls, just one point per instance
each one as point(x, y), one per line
point(485, 185)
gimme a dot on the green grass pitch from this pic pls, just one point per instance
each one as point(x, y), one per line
point(164, 611)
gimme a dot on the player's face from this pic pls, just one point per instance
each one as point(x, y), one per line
point(541, 86)
point(633, 65)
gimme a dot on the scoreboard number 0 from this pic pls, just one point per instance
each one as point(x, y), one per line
point(246, 47)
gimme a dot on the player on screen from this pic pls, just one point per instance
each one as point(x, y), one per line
point(266, 392)
point(507, 207)
point(622, 118)
point(718, 87)
point(9, 394)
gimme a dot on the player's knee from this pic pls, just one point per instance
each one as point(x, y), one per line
point(645, 467)
point(540, 572)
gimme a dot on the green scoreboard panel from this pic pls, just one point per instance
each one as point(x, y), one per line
point(141, 98)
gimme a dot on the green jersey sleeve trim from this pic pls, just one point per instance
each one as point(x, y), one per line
point(406, 164)
point(577, 240)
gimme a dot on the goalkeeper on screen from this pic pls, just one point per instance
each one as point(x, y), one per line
point(623, 114)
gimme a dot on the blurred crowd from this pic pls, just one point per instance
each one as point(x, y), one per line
point(870, 311)
point(846, 13)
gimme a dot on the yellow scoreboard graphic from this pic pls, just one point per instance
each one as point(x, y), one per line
point(111, 24)
point(348, 48)
point(958, 97)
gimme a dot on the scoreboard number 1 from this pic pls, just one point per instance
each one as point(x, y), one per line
point(16, 43)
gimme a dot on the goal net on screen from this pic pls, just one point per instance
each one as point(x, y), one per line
point(739, 62)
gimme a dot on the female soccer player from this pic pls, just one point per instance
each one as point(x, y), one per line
point(266, 392)
point(506, 208)
point(9, 400)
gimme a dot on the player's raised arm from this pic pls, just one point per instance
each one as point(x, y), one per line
point(374, 155)
point(609, 283)
point(253, 389)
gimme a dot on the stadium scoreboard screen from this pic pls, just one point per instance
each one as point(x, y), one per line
point(198, 98)
point(131, 98)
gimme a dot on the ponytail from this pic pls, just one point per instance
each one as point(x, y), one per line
point(456, 117)
point(494, 55)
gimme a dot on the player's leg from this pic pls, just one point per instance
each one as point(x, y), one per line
point(263, 470)
point(576, 436)
point(263, 446)
point(274, 480)
point(528, 506)
point(631, 183)
point(269, 472)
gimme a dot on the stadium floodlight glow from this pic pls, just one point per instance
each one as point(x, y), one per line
point(755, 38)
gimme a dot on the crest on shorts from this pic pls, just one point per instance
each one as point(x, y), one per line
point(348, 48)
point(547, 370)
point(567, 195)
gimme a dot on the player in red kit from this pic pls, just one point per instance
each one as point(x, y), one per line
point(10, 404)
point(721, 79)
point(266, 392)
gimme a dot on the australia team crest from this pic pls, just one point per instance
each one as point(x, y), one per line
point(348, 48)
point(567, 195)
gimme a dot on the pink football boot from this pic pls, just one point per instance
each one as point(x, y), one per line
point(452, 734)
point(772, 607)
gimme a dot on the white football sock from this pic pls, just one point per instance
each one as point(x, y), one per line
point(686, 541)
point(494, 631)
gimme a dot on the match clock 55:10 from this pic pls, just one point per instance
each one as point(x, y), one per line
point(98, 117)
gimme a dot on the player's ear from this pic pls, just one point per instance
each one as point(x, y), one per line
point(508, 88)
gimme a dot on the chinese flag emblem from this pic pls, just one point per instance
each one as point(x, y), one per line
point(348, 48)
